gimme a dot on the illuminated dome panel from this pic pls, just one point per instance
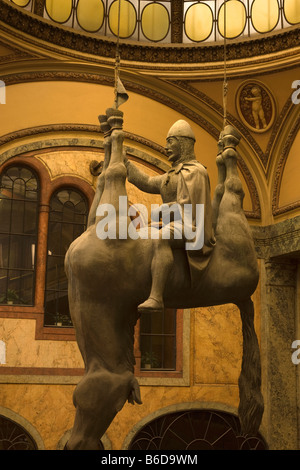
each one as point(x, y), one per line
point(153, 21)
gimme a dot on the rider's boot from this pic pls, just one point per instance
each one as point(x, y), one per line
point(160, 268)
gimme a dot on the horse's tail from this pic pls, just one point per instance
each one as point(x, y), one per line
point(251, 405)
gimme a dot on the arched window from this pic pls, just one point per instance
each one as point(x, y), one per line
point(194, 430)
point(19, 201)
point(14, 437)
point(67, 221)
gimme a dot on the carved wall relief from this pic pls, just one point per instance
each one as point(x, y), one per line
point(256, 106)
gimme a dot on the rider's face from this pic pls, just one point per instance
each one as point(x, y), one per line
point(173, 149)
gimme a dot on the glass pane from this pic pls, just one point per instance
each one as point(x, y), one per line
point(6, 186)
point(68, 212)
point(59, 10)
point(30, 217)
point(19, 189)
point(20, 287)
point(128, 16)
point(25, 287)
point(21, 3)
point(5, 213)
point(292, 11)
point(155, 22)
point(17, 216)
point(63, 196)
point(198, 22)
point(4, 250)
point(235, 18)
point(265, 15)
point(54, 235)
point(158, 340)
point(90, 14)
point(20, 255)
point(52, 271)
point(169, 352)
point(66, 237)
point(3, 285)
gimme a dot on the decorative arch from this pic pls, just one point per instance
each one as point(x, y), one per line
point(158, 164)
point(287, 138)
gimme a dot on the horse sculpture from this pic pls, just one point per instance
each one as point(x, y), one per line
point(109, 278)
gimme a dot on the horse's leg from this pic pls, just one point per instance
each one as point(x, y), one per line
point(219, 191)
point(116, 172)
point(251, 405)
point(235, 224)
point(98, 397)
point(232, 185)
point(101, 179)
point(107, 334)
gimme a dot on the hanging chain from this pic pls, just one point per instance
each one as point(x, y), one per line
point(225, 83)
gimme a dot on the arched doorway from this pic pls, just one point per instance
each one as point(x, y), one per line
point(195, 430)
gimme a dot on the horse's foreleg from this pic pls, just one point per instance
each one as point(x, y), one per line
point(251, 405)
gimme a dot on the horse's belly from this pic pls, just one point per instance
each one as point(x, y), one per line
point(109, 270)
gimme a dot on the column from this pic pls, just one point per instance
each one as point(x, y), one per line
point(279, 374)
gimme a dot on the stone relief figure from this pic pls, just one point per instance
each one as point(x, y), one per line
point(112, 281)
point(257, 107)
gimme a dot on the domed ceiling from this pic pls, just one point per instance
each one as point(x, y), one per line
point(168, 21)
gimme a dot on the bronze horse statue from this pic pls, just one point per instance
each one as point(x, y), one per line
point(109, 278)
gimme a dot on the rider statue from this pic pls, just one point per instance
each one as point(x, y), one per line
point(186, 187)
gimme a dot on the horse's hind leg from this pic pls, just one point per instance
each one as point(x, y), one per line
point(251, 405)
point(219, 191)
point(233, 185)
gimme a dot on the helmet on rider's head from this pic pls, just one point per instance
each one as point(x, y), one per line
point(181, 128)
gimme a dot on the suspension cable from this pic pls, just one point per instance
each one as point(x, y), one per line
point(225, 83)
point(118, 58)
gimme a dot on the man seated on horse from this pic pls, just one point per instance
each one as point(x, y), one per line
point(185, 186)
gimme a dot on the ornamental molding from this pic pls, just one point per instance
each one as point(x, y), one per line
point(160, 165)
point(280, 169)
point(55, 38)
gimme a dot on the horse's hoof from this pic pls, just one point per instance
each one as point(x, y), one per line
point(151, 305)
